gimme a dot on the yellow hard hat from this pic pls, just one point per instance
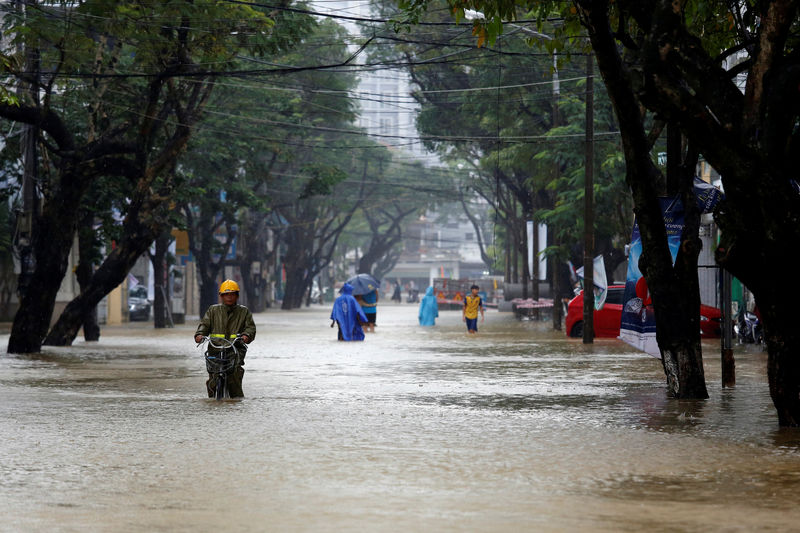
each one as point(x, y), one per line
point(228, 286)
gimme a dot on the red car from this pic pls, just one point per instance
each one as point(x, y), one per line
point(606, 320)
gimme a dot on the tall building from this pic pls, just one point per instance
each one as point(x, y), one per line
point(440, 244)
point(387, 109)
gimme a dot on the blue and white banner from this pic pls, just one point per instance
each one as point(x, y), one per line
point(707, 195)
point(638, 322)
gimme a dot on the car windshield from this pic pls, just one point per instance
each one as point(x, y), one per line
point(138, 292)
point(615, 295)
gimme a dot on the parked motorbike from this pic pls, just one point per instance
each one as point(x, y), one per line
point(748, 329)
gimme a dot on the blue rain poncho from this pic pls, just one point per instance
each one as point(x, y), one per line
point(428, 309)
point(348, 314)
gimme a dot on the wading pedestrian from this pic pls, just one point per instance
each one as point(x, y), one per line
point(428, 309)
point(347, 314)
point(226, 321)
point(472, 304)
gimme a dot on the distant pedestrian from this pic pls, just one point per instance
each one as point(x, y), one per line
point(347, 314)
point(396, 297)
point(472, 304)
point(413, 292)
point(428, 309)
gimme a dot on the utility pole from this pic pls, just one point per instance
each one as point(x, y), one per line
point(558, 311)
point(26, 225)
point(588, 210)
point(726, 355)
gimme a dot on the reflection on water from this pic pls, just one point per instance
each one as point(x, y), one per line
point(414, 429)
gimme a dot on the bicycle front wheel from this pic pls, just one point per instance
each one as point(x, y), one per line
point(221, 384)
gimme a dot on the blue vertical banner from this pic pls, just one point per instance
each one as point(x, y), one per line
point(638, 322)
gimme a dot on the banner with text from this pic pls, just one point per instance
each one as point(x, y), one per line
point(638, 323)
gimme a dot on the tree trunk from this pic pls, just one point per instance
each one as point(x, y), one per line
point(255, 288)
point(507, 257)
point(515, 254)
point(387, 263)
point(296, 286)
point(207, 269)
point(135, 242)
point(783, 365)
point(535, 266)
point(678, 318)
point(558, 283)
point(52, 243)
point(762, 238)
point(675, 292)
point(309, 250)
point(160, 282)
point(254, 242)
point(209, 294)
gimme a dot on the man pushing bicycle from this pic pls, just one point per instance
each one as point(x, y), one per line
point(227, 321)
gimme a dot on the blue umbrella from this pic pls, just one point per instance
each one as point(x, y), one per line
point(363, 283)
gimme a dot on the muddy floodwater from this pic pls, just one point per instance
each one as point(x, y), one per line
point(415, 429)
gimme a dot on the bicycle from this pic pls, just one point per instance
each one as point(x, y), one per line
point(222, 362)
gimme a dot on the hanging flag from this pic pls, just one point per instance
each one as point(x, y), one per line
point(573, 276)
point(707, 195)
point(599, 280)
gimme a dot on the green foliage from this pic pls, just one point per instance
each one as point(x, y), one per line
point(129, 80)
point(6, 97)
point(263, 145)
point(506, 133)
point(613, 206)
point(322, 179)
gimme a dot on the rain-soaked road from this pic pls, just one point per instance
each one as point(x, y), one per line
point(517, 429)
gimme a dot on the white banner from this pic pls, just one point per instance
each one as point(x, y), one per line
point(542, 234)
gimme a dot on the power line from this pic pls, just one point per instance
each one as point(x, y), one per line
point(354, 19)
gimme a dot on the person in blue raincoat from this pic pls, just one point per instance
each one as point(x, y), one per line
point(348, 315)
point(428, 309)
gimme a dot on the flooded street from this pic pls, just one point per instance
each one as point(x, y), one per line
point(415, 429)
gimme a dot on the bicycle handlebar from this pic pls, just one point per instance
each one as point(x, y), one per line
point(226, 343)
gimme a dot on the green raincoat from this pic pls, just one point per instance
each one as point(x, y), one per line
point(222, 321)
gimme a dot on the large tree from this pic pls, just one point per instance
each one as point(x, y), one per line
point(147, 84)
point(396, 194)
point(494, 110)
point(315, 220)
point(674, 288)
point(385, 226)
point(276, 178)
point(726, 73)
point(674, 64)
